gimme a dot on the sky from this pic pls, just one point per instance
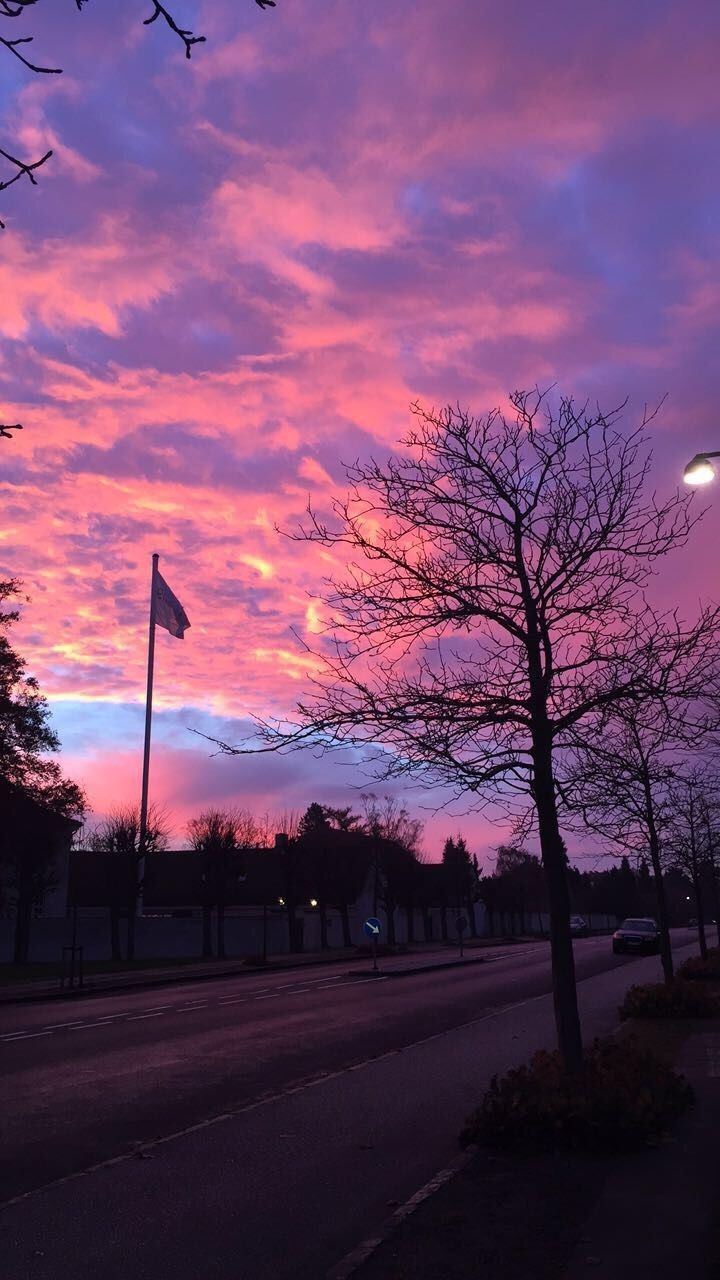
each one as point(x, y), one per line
point(236, 274)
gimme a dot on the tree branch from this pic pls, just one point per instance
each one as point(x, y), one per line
point(185, 34)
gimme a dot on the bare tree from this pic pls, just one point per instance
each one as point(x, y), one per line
point(119, 838)
point(620, 777)
point(692, 796)
point(494, 601)
point(220, 836)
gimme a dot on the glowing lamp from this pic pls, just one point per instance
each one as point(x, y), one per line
point(700, 470)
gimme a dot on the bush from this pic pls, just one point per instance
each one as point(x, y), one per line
point(675, 999)
point(625, 1099)
point(695, 969)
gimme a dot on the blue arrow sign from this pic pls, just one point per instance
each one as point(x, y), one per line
point(371, 927)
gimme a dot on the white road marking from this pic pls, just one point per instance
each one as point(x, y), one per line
point(277, 997)
point(138, 1017)
point(234, 1000)
point(26, 1035)
point(184, 1007)
point(53, 1026)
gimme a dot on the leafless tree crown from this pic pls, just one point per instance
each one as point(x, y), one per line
point(497, 560)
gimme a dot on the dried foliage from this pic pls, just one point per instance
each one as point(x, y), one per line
point(625, 1099)
point(676, 999)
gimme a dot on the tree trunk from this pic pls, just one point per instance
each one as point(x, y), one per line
point(700, 908)
point(715, 896)
point(696, 879)
point(323, 927)
point(23, 915)
point(115, 947)
point(390, 913)
point(665, 945)
point(410, 914)
point(207, 948)
point(132, 908)
point(293, 931)
point(567, 1019)
point(345, 919)
point(471, 917)
point(443, 923)
point(220, 923)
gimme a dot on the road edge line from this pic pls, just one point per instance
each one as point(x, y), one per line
point(361, 1253)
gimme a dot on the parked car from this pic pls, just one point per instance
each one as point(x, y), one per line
point(639, 934)
point(578, 927)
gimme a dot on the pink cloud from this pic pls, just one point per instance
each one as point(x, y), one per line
point(238, 273)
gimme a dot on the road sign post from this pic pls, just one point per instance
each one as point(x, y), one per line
point(371, 929)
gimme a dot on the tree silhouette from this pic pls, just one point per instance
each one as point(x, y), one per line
point(493, 604)
point(220, 836)
point(27, 774)
point(118, 838)
point(622, 776)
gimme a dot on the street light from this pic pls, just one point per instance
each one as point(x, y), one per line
point(700, 470)
point(313, 902)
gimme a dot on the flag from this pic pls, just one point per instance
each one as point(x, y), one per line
point(169, 612)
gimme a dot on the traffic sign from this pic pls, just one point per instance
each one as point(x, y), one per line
point(371, 927)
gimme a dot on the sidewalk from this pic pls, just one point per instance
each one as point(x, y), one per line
point(652, 1215)
point(419, 958)
point(657, 1215)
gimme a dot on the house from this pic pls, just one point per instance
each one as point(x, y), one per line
point(34, 855)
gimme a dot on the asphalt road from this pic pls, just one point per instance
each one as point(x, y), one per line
point(300, 1107)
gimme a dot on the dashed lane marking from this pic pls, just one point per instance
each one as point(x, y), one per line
point(140, 1017)
point(266, 1100)
point(26, 1035)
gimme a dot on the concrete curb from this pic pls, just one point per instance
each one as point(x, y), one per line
point(421, 968)
point(162, 979)
point(355, 1259)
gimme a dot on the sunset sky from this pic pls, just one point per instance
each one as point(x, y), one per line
point(237, 272)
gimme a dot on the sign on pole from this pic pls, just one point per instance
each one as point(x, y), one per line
point(371, 929)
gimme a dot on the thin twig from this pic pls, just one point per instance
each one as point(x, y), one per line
point(26, 170)
point(7, 427)
point(186, 36)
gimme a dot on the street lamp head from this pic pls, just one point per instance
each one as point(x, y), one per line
point(699, 470)
point(313, 902)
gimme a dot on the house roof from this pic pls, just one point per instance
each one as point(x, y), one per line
point(23, 817)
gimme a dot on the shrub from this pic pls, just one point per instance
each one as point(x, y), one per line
point(675, 999)
point(626, 1098)
point(696, 969)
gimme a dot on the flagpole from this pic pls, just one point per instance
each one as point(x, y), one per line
point(148, 723)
